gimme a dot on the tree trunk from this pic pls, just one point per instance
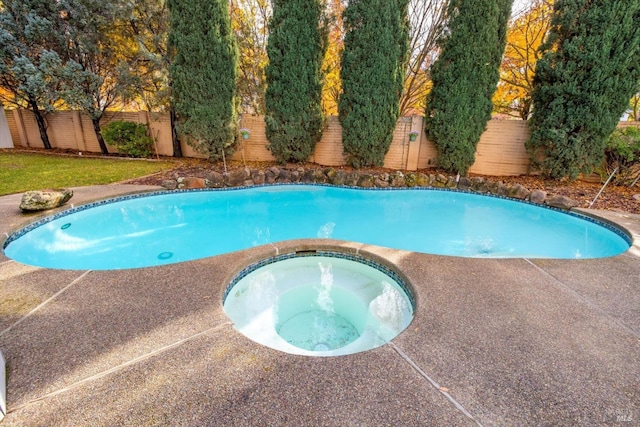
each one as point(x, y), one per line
point(96, 128)
point(177, 149)
point(42, 125)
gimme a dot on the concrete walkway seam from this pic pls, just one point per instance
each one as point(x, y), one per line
point(117, 368)
point(434, 383)
point(560, 284)
point(44, 303)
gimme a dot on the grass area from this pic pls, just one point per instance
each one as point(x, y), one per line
point(21, 171)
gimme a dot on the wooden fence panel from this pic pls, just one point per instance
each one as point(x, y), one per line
point(13, 127)
point(160, 128)
point(396, 157)
point(253, 149)
point(501, 150)
point(61, 130)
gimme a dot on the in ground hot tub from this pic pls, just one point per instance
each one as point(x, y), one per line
point(319, 303)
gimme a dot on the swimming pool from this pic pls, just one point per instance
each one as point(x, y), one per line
point(169, 227)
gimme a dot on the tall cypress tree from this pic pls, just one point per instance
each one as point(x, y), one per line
point(464, 78)
point(376, 45)
point(204, 73)
point(583, 82)
point(293, 99)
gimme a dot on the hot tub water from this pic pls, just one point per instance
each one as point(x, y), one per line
point(320, 305)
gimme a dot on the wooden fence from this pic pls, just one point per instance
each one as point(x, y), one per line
point(500, 152)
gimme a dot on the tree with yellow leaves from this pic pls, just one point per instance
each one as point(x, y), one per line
point(332, 87)
point(526, 32)
point(249, 19)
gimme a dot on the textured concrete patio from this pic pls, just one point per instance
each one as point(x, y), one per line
point(500, 342)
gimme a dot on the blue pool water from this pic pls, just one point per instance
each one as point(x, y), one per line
point(172, 227)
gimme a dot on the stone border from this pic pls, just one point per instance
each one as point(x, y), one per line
point(272, 175)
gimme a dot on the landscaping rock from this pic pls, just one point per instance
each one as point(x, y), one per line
point(191, 183)
point(365, 180)
point(518, 191)
point(336, 176)
point(284, 176)
point(451, 182)
point(411, 179)
point(422, 180)
point(258, 177)
point(295, 175)
point(494, 187)
point(352, 179)
point(237, 178)
point(561, 202)
point(464, 183)
point(439, 181)
point(33, 201)
point(320, 177)
point(380, 183)
point(502, 189)
point(248, 177)
point(169, 184)
point(538, 196)
point(271, 175)
point(397, 179)
point(308, 175)
point(214, 180)
point(479, 184)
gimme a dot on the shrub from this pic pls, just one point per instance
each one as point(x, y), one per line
point(589, 69)
point(376, 44)
point(293, 99)
point(204, 71)
point(623, 152)
point(129, 138)
point(464, 78)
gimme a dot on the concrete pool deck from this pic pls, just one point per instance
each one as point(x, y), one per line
point(493, 342)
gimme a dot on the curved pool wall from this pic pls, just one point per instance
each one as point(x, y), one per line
point(168, 227)
point(319, 303)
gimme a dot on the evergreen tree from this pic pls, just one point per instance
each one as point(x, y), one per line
point(97, 73)
point(293, 99)
point(373, 69)
point(29, 38)
point(588, 72)
point(149, 24)
point(203, 74)
point(464, 78)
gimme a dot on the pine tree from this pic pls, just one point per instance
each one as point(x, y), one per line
point(464, 79)
point(293, 99)
point(588, 72)
point(373, 69)
point(203, 74)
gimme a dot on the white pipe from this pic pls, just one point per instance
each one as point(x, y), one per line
point(602, 189)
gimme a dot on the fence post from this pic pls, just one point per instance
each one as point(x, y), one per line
point(414, 146)
point(22, 133)
point(78, 132)
point(5, 135)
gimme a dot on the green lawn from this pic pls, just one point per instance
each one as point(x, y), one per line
point(25, 171)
